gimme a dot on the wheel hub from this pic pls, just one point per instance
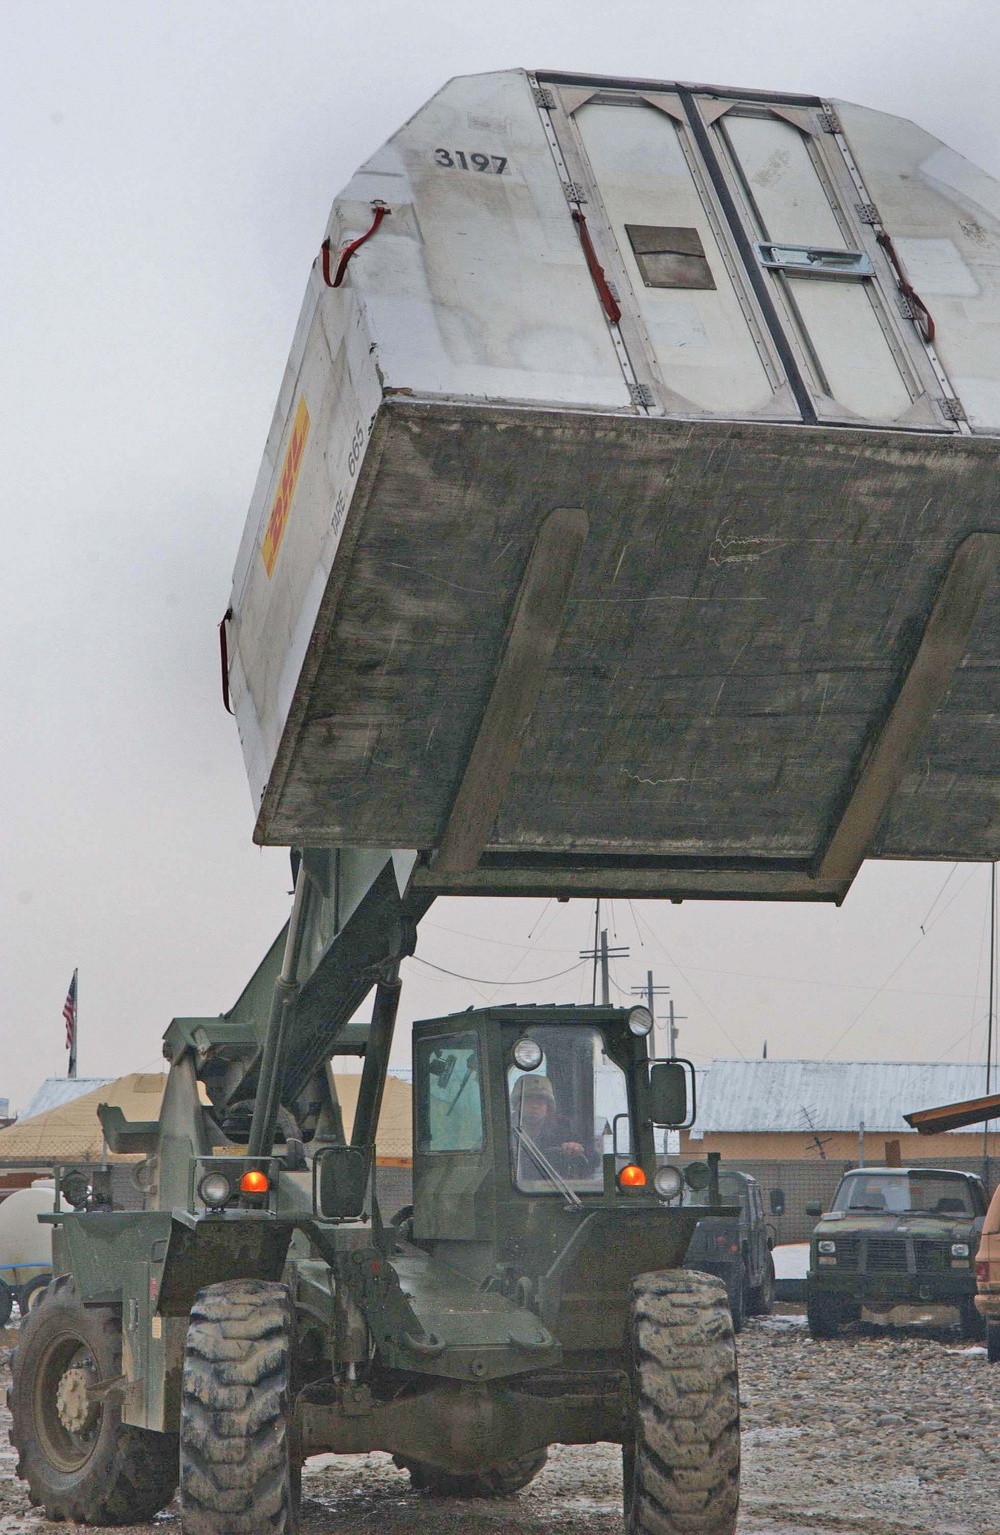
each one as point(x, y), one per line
point(73, 1404)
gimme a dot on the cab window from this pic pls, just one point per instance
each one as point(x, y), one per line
point(449, 1094)
point(567, 1112)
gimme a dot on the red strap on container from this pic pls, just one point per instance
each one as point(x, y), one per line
point(380, 211)
point(224, 658)
point(607, 298)
point(922, 317)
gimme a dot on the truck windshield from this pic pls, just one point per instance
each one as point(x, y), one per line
point(732, 1191)
point(907, 1193)
point(567, 1113)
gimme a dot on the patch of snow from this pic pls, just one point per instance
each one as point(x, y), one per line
point(791, 1260)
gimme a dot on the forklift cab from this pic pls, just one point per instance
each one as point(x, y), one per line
point(522, 1112)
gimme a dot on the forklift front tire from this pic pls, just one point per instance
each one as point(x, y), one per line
point(498, 1482)
point(681, 1457)
point(237, 1469)
point(80, 1461)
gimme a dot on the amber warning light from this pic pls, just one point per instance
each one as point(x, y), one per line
point(254, 1183)
point(631, 1177)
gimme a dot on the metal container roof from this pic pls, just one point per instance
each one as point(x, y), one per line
point(776, 1097)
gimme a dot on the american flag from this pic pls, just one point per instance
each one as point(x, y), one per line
point(69, 1013)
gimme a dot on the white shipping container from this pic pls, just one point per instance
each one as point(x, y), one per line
point(751, 341)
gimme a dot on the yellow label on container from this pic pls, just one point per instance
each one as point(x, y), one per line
point(286, 487)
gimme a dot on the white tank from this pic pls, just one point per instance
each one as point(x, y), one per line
point(750, 340)
point(25, 1244)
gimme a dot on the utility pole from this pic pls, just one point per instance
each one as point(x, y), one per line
point(674, 1030)
point(601, 955)
point(650, 992)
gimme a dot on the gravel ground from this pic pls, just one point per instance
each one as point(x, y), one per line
point(886, 1433)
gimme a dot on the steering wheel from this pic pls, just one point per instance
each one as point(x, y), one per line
point(569, 1164)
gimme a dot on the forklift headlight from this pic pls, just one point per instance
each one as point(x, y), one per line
point(527, 1054)
point(959, 1249)
point(668, 1182)
point(640, 1020)
point(826, 1247)
point(215, 1190)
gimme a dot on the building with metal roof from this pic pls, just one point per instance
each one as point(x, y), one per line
point(819, 1109)
point(55, 1091)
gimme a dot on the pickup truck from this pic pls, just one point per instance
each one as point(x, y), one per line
point(896, 1236)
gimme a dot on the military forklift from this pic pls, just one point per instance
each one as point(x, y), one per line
point(262, 1308)
point(627, 527)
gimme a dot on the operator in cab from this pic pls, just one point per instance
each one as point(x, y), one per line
point(535, 1114)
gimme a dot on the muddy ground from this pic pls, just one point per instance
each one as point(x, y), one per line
point(886, 1433)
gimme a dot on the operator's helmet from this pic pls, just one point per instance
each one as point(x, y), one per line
point(531, 1087)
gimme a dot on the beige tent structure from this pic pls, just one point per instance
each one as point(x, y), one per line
point(72, 1131)
point(394, 1139)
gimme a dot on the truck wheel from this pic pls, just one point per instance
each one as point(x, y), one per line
point(499, 1482)
point(738, 1292)
point(236, 1464)
point(822, 1314)
point(6, 1302)
point(762, 1295)
point(970, 1321)
point(80, 1461)
point(681, 1459)
point(993, 1342)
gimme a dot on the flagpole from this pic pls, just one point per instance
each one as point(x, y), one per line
point(76, 1024)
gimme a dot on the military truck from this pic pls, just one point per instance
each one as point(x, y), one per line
point(627, 527)
point(736, 1248)
point(896, 1236)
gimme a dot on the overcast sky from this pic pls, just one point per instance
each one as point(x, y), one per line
point(167, 170)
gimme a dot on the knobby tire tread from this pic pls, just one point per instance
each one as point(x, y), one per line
point(683, 1462)
point(235, 1450)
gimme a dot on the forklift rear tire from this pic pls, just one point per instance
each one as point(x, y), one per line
point(237, 1470)
point(499, 1482)
point(80, 1461)
point(681, 1460)
point(29, 1295)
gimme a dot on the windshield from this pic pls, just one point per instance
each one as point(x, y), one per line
point(906, 1193)
point(567, 1113)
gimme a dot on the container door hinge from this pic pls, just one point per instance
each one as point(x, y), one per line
point(641, 394)
point(868, 213)
point(953, 409)
point(543, 98)
point(829, 121)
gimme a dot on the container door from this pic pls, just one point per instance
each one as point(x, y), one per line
point(709, 346)
point(830, 283)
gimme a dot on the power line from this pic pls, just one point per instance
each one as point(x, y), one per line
point(478, 980)
point(688, 982)
point(938, 896)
